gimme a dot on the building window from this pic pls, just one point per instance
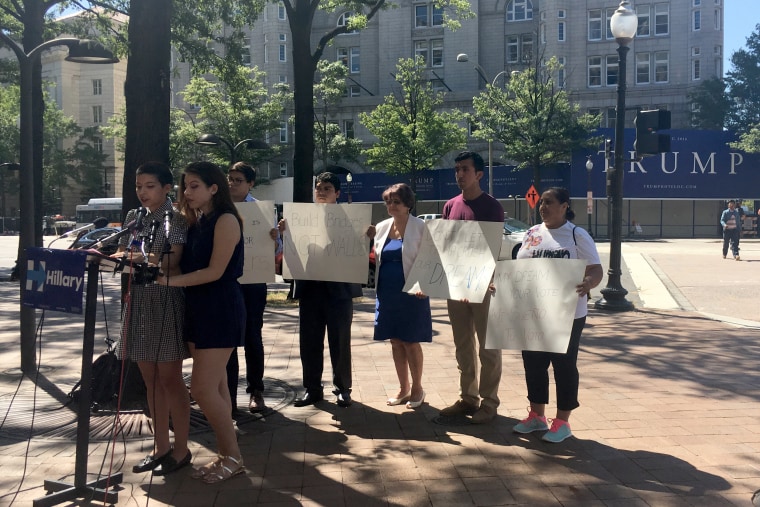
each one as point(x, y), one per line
point(611, 117)
point(438, 85)
point(642, 12)
point(696, 70)
point(354, 90)
point(348, 129)
point(283, 132)
point(283, 169)
point(696, 21)
point(283, 53)
point(436, 52)
point(595, 71)
point(661, 19)
point(595, 111)
point(612, 70)
point(561, 72)
point(595, 24)
point(97, 87)
point(562, 14)
point(609, 13)
point(642, 68)
point(421, 50)
point(561, 31)
point(282, 78)
point(283, 37)
point(718, 51)
point(661, 67)
point(697, 3)
point(526, 48)
point(420, 16)
point(245, 52)
point(266, 54)
point(695, 51)
point(97, 114)
point(717, 19)
point(355, 67)
point(542, 33)
point(343, 18)
point(437, 16)
point(98, 144)
point(426, 15)
point(513, 49)
point(520, 10)
point(281, 14)
point(343, 56)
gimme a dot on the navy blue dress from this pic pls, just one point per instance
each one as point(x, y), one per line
point(215, 311)
point(398, 314)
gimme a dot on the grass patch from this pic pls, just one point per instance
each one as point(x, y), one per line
point(280, 298)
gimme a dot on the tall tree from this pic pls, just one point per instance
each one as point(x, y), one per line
point(412, 133)
point(533, 118)
point(742, 82)
point(300, 18)
point(710, 105)
point(331, 144)
point(236, 106)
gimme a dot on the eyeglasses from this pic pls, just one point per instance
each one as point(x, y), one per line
point(397, 202)
point(236, 181)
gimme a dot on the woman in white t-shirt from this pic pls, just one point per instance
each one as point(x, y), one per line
point(557, 237)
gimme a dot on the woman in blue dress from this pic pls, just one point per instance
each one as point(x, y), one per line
point(402, 318)
point(212, 261)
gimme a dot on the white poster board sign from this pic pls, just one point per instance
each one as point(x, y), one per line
point(326, 242)
point(456, 259)
point(534, 304)
point(258, 220)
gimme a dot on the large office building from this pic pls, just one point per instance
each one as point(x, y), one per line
point(678, 45)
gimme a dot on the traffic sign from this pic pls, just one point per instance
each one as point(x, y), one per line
point(532, 197)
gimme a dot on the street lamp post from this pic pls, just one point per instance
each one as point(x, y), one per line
point(589, 193)
point(215, 140)
point(80, 51)
point(463, 57)
point(623, 26)
point(349, 179)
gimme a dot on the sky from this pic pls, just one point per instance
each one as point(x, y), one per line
point(739, 21)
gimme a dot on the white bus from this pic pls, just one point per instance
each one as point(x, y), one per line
point(106, 207)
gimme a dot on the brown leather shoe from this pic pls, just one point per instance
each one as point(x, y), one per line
point(256, 404)
point(484, 415)
point(461, 407)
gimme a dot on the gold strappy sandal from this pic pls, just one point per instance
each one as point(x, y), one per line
point(200, 473)
point(221, 472)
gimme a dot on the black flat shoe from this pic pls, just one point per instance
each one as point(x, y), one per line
point(149, 462)
point(169, 464)
point(344, 399)
point(308, 399)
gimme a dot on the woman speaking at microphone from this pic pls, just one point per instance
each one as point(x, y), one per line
point(153, 318)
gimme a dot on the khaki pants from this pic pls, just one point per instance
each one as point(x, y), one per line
point(468, 324)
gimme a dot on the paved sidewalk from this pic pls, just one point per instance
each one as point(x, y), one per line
point(669, 416)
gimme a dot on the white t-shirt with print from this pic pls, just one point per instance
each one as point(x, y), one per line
point(542, 242)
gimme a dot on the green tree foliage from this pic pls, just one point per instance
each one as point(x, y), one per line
point(533, 118)
point(412, 133)
point(306, 54)
point(236, 107)
point(742, 82)
point(330, 143)
point(710, 105)
point(749, 141)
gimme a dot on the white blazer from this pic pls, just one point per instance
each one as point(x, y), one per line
point(415, 228)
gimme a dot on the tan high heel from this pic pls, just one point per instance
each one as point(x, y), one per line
point(416, 404)
point(399, 401)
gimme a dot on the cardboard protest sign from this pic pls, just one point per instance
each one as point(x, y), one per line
point(456, 259)
point(326, 242)
point(258, 220)
point(534, 304)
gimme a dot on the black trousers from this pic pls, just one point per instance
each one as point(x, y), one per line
point(320, 312)
point(255, 297)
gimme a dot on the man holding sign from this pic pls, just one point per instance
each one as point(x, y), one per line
point(479, 398)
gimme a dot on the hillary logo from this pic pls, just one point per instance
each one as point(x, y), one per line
point(40, 276)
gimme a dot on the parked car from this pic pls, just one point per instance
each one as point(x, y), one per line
point(514, 232)
point(93, 237)
point(430, 216)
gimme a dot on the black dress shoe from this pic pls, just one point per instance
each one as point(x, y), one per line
point(344, 399)
point(310, 398)
point(149, 463)
point(169, 464)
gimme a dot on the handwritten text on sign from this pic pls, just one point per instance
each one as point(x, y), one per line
point(456, 259)
point(326, 242)
point(534, 304)
point(258, 220)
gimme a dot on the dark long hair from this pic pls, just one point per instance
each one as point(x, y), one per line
point(563, 195)
point(221, 201)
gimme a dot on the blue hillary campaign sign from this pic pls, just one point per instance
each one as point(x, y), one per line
point(54, 279)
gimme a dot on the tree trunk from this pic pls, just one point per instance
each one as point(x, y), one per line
point(146, 91)
point(304, 68)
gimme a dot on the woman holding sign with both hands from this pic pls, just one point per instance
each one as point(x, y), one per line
point(403, 318)
point(557, 237)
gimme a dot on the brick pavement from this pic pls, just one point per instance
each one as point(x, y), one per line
point(670, 404)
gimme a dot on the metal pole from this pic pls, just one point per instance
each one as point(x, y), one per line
point(613, 295)
point(490, 167)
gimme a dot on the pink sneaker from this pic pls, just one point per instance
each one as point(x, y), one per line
point(533, 422)
point(559, 431)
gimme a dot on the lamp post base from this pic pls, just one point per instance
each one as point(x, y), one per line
point(613, 300)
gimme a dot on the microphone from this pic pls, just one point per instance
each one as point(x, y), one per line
point(138, 221)
point(154, 225)
point(168, 215)
point(98, 223)
point(113, 237)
